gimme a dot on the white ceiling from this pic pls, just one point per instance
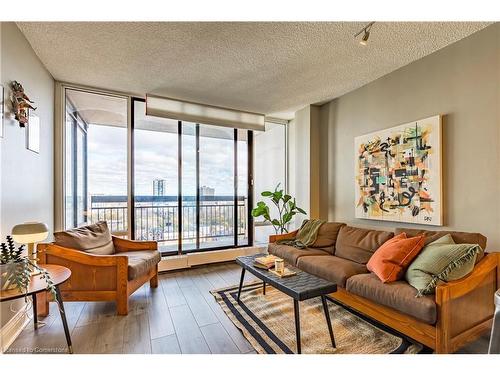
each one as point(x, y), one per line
point(271, 68)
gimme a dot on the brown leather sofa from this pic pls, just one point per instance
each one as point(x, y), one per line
point(459, 312)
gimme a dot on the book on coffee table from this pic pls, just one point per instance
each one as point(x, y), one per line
point(265, 262)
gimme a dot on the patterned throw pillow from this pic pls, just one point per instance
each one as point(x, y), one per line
point(441, 260)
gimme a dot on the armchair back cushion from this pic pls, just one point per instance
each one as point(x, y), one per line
point(94, 239)
point(358, 244)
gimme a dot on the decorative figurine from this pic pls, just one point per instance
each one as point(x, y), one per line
point(21, 103)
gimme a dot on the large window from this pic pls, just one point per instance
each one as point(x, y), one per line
point(96, 160)
point(189, 185)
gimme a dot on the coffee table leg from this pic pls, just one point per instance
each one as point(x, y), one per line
point(328, 322)
point(241, 283)
point(63, 318)
point(35, 312)
point(264, 288)
point(297, 324)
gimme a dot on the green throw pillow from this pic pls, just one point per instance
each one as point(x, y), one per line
point(441, 260)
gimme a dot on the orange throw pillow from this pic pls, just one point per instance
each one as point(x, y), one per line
point(394, 256)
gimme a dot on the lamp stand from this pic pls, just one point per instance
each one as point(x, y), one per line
point(32, 256)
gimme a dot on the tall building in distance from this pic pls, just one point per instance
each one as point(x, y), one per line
point(159, 187)
point(207, 191)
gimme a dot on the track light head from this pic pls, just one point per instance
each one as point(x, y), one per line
point(364, 39)
point(366, 34)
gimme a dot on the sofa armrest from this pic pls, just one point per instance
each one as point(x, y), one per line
point(123, 245)
point(488, 266)
point(284, 236)
point(465, 306)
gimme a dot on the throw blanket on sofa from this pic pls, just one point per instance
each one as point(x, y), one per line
point(306, 235)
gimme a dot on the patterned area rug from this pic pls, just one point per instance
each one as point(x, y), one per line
point(267, 321)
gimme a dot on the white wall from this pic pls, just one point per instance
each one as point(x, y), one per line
point(460, 81)
point(26, 178)
point(304, 162)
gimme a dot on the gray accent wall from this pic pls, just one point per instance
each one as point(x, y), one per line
point(26, 178)
point(460, 81)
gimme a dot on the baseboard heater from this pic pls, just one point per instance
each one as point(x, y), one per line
point(177, 262)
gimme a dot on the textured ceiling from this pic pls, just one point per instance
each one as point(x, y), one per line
point(261, 67)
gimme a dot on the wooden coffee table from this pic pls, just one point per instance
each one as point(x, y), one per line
point(300, 287)
point(59, 275)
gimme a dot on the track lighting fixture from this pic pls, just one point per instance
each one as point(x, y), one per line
point(366, 34)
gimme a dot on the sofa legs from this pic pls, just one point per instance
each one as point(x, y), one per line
point(122, 306)
point(153, 282)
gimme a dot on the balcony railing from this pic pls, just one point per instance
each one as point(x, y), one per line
point(156, 217)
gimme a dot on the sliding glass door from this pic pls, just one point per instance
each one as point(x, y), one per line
point(191, 184)
point(155, 178)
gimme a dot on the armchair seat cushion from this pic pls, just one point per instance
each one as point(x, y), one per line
point(141, 262)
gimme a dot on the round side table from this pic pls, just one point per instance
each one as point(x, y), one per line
point(59, 275)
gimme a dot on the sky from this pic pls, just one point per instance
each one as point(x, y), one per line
point(156, 158)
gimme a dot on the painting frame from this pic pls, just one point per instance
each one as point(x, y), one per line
point(2, 111)
point(398, 173)
point(33, 133)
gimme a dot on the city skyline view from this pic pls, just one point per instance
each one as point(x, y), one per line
point(156, 157)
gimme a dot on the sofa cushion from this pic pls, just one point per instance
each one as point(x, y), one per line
point(359, 244)
point(398, 295)
point(327, 237)
point(331, 268)
point(458, 237)
point(94, 239)
point(441, 260)
point(290, 254)
point(140, 262)
point(391, 259)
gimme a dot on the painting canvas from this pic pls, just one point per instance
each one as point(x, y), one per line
point(398, 173)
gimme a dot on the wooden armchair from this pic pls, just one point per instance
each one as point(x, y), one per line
point(103, 277)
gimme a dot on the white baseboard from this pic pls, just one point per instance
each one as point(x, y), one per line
point(12, 329)
point(206, 257)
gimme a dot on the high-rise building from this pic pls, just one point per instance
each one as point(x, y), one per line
point(207, 191)
point(159, 187)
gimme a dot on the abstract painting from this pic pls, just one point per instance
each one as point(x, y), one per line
point(398, 173)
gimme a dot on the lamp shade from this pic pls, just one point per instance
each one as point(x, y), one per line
point(30, 232)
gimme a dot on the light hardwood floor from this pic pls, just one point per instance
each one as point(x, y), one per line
point(180, 316)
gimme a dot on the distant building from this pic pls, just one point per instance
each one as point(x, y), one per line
point(207, 191)
point(159, 187)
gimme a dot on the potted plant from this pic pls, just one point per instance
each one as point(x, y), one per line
point(16, 269)
point(286, 205)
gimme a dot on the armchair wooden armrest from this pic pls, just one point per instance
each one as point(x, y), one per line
point(123, 245)
point(468, 304)
point(284, 236)
point(77, 256)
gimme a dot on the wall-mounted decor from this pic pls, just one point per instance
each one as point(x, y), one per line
point(21, 104)
point(2, 111)
point(33, 133)
point(398, 173)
